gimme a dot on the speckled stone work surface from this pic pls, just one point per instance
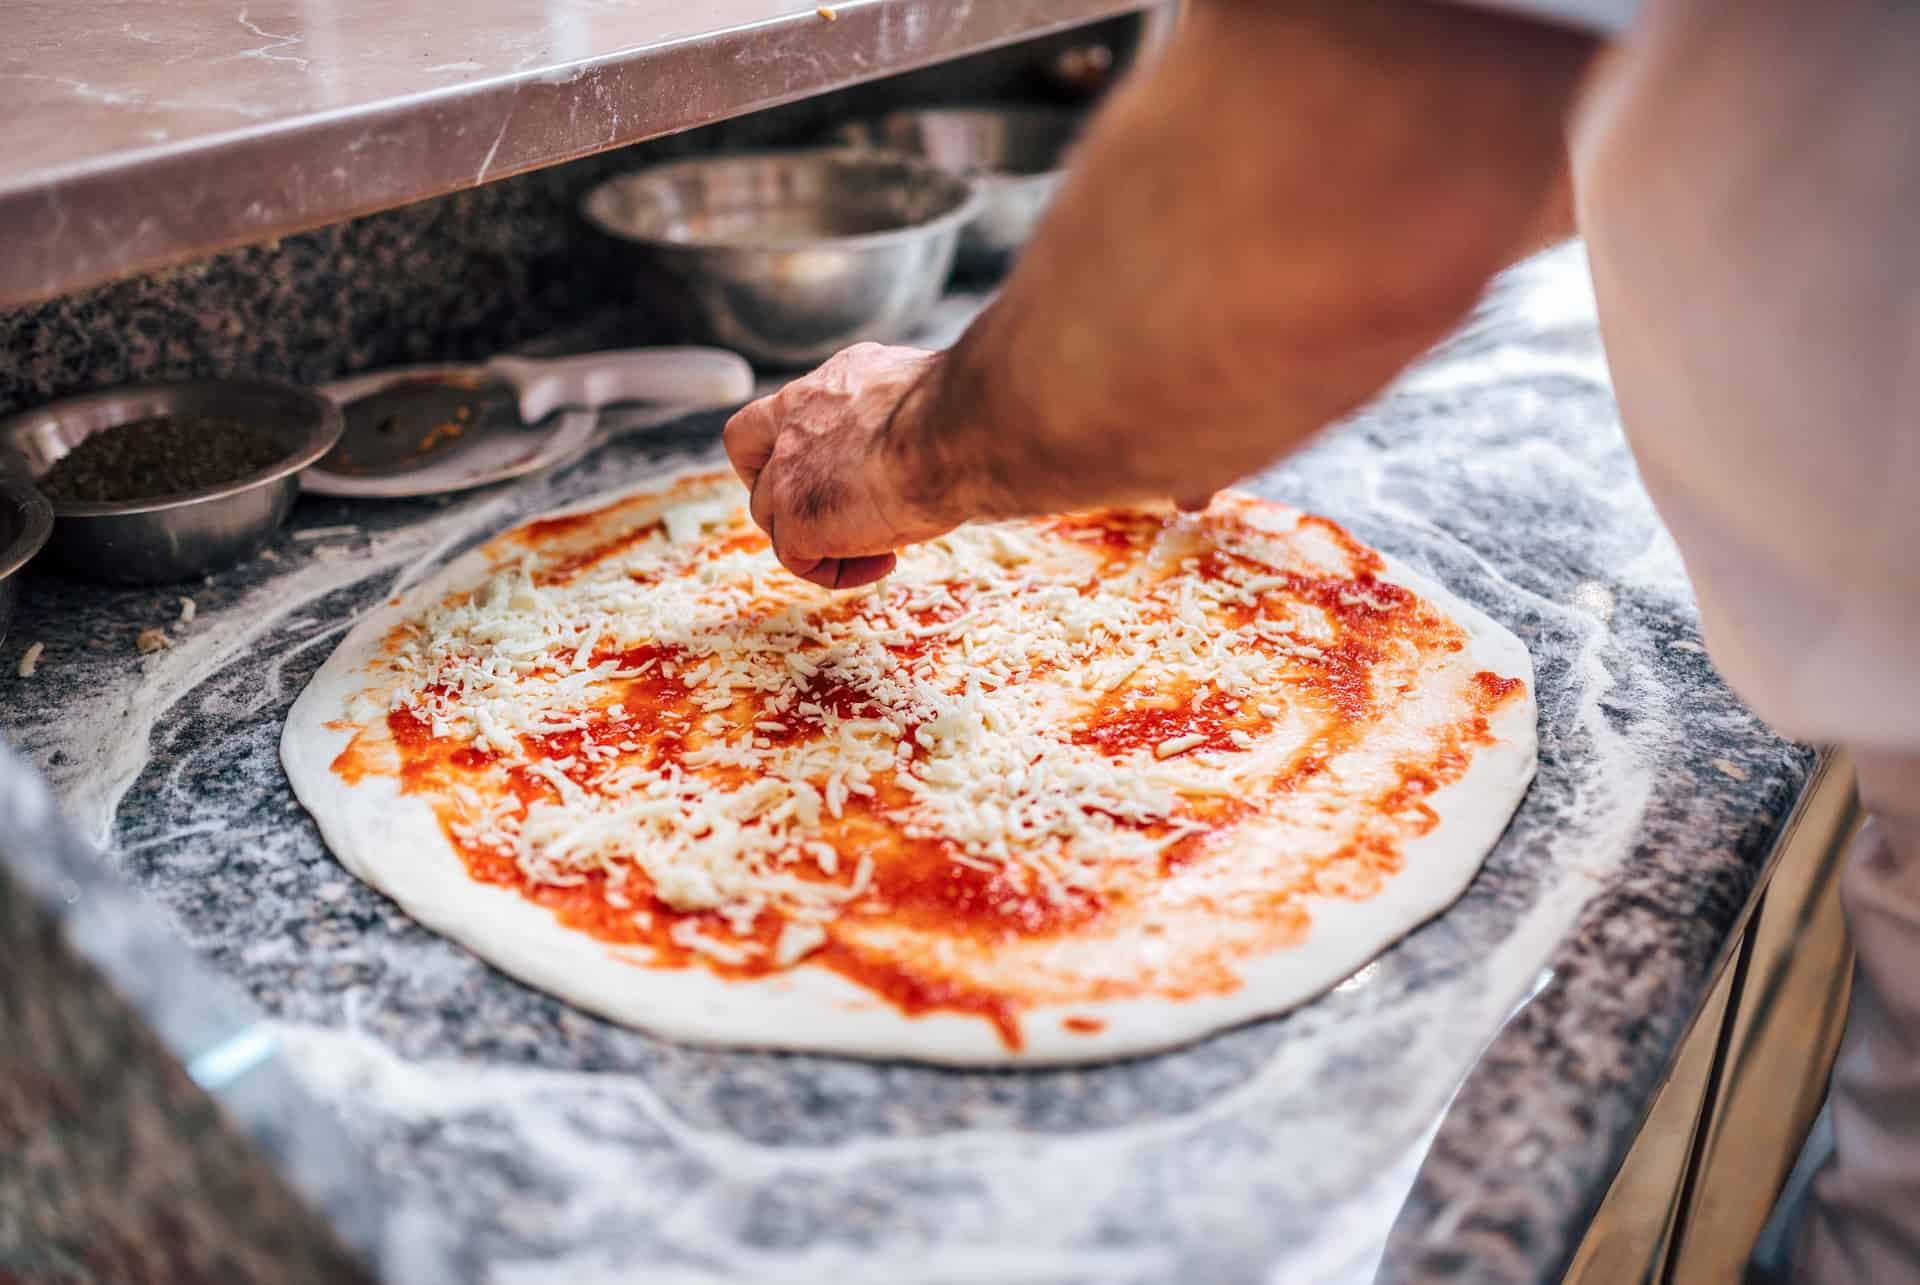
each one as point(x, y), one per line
point(1411, 1118)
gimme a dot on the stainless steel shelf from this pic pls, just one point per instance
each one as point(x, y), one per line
point(141, 135)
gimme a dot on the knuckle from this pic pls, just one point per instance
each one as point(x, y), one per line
point(741, 420)
point(754, 417)
point(741, 440)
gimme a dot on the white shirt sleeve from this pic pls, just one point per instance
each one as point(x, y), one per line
point(1603, 17)
point(1751, 233)
point(1748, 187)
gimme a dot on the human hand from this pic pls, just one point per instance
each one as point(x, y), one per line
point(835, 493)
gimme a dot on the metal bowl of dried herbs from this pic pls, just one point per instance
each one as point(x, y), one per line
point(157, 482)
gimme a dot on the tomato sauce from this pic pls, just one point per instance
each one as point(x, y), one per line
point(1117, 533)
point(916, 992)
point(1116, 729)
point(573, 563)
point(1493, 690)
point(917, 882)
point(922, 883)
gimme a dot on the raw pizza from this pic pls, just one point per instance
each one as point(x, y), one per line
point(1055, 790)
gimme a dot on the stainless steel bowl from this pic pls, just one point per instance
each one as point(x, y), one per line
point(25, 519)
point(1016, 155)
point(788, 257)
point(150, 541)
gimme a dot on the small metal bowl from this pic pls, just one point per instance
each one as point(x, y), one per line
point(1016, 155)
point(25, 519)
point(788, 257)
point(152, 541)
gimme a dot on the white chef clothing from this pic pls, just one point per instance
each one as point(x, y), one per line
point(1748, 183)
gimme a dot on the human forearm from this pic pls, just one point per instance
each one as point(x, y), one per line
point(1297, 200)
point(1265, 228)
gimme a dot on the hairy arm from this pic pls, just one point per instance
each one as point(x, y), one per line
point(1294, 202)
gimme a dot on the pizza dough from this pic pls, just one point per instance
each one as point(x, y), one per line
point(1056, 791)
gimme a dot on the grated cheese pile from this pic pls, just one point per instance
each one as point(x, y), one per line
point(958, 682)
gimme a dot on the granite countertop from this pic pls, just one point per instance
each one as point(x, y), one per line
point(1453, 1112)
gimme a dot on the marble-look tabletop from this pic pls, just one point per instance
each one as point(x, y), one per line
point(1452, 1112)
point(143, 135)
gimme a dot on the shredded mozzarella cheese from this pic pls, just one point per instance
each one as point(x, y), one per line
point(945, 691)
